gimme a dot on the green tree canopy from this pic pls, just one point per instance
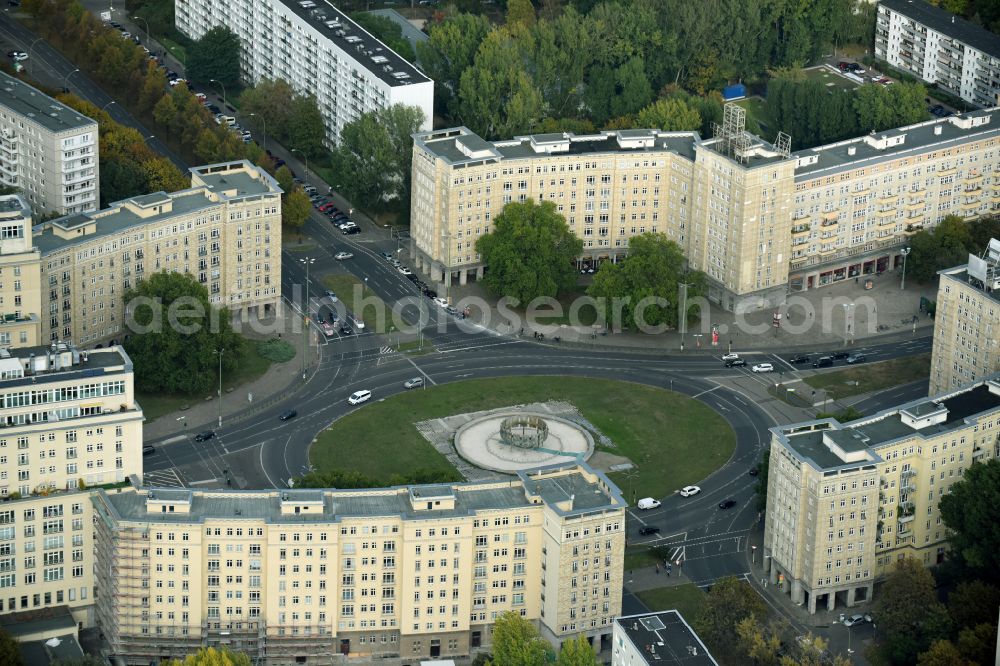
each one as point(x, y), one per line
point(516, 642)
point(973, 602)
point(947, 245)
point(174, 333)
point(215, 56)
point(520, 12)
point(373, 161)
point(577, 652)
point(449, 51)
point(670, 114)
point(652, 271)
point(971, 510)
point(295, 209)
point(978, 643)
point(529, 252)
point(269, 100)
point(306, 130)
point(10, 652)
point(909, 614)
point(212, 657)
point(942, 653)
point(730, 601)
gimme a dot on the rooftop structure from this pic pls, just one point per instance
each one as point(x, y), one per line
point(660, 639)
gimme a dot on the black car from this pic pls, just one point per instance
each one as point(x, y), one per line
point(430, 293)
point(736, 363)
point(412, 278)
point(841, 354)
point(754, 471)
point(214, 109)
point(855, 358)
point(204, 436)
point(290, 414)
point(333, 317)
point(648, 529)
point(148, 450)
point(727, 503)
point(351, 230)
point(801, 358)
point(386, 255)
point(345, 329)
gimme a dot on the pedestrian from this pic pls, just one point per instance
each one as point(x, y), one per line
point(657, 569)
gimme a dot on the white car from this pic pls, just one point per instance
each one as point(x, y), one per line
point(442, 302)
point(763, 367)
point(403, 270)
point(359, 397)
point(732, 356)
point(688, 491)
point(857, 619)
point(332, 296)
point(340, 256)
point(20, 56)
point(416, 382)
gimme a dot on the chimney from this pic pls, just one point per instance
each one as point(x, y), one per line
point(851, 150)
point(937, 129)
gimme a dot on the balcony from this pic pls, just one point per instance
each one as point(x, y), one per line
point(827, 250)
point(914, 205)
point(978, 452)
point(885, 222)
point(800, 230)
point(973, 179)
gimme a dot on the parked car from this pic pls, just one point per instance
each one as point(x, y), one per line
point(386, 255)
point(416, 382)
point(688, 491)
point(403, 270)
point(855, 68)
point(332, 296)
point(17, 56)
point(857, 619)
point(754, 471)
point(332, 317)
point(843, 66)
point(727, 503)
point(176, 82)
point(430, 293)
point(646, 530)
point(763, 367)
point(801, 358)
point(441, 302)
point(204, 436)
point(327, 329)
point(288, 414)
point(736, 363)
point(855, 358)
point(359, 397)
point(349, 231)
point(340, 256)
point(345, 329)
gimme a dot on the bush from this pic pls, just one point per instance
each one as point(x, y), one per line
point(276, 350)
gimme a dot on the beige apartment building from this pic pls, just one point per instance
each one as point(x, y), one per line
point(758, 219)
point(967, 322)
point(305, 576)
point(225, 230)
point(48, 151)
point(846, 501)
point(20, 280)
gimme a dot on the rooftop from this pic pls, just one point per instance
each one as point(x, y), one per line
point(13, 205)
point(961, 274)
point(827, 444)
point(337, 27)
point(27, 101)
point(52, 619)
point(664, 638)
point(948, 24)
point(26, 366)
point(893, 144)
point(594, 493)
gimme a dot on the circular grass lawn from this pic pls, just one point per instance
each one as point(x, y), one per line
point(672, 439)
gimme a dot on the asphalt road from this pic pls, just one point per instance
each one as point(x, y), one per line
point(48, 66)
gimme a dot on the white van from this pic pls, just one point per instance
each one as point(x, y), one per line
point(648, 503)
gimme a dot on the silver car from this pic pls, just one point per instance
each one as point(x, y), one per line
point(416, 382)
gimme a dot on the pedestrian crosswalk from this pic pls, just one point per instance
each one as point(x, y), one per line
point(385, 350)
point(163, 478)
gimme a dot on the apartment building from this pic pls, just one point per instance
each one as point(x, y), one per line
point(939, 47)
point(846, 501)
point(758, 220)
point(20, 276)
point(225, 230)
point(967, 322)
point(67, 419)
point(657, 638)
point(48, 151)
point(305, 576)
point(319, 50)
point(47, 554)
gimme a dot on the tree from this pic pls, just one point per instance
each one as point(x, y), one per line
point(449, 51)
point(760, 643)
point(286, 181)
point(977, 644)
point(577, 652)
point(530, 252)
point(516, 642)
point(909, 613)
point(728, 603)
point(653, 269)
point(10, 652)
point(269, 100)
point(973, 602)
point(295, 209)
point(942, 653)
point(971, 511)
point(374, 158)
point(670, 115)
point(306, 131)
point(520, 12)
point(947, 245)
point(212, 657)
point(215, 56)
point(175, 331)
point(617, 92)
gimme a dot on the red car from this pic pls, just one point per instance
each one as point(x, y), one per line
point(325, 207)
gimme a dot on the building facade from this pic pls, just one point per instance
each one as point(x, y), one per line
point(300, 576)
point(846, 501)
point(967, 322)
point(652, 638)
point(319, 50)
point(225, 230)
point(939, 47)
point(47, 150)
point(20, 276)
point(758, 220)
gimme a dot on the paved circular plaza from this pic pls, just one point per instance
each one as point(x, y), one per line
point(512, 441)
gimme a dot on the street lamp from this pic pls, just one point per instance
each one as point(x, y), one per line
point(66, 78)
point(305, 157)
point(219, 353)
point(139, 18)
point(847, 318)
point(305, 314)
point(108, 104)
point(263, 121)
point(905, 251)
point(30, 59)
point(682, 313)
point(224, 102)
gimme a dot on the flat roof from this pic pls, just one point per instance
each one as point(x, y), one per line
point(91, 363)
point(665, 638)
point(53, 618)
point(806, 440)
point(857, 152)
point(948, 24)
point(961, 274)
point(32, 103)
point(374, 502)
point(372, 54)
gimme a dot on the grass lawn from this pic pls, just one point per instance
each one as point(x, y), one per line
point(829, 79)
point(253, 366)
point(688, 599)
point(361, 301)
point(584, 315)
point(415, 348)
point(673, 440)
point(175, 49)
point(867, 377)
point(757, 109)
